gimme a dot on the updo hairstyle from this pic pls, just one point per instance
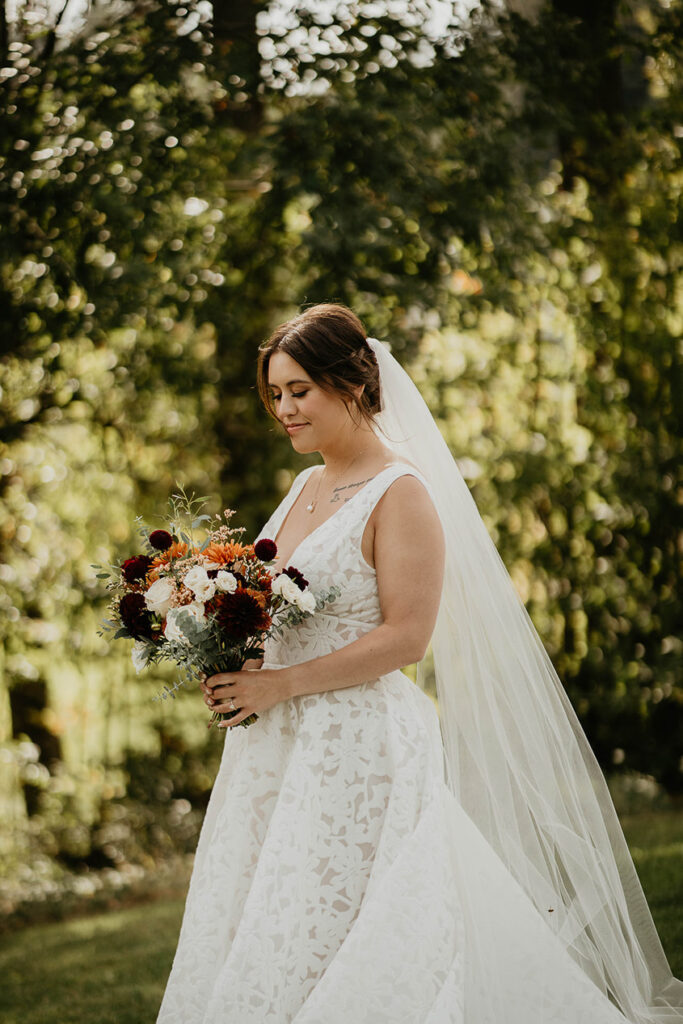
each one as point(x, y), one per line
point(329, 342)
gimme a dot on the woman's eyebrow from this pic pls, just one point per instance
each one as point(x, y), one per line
point(290, 382)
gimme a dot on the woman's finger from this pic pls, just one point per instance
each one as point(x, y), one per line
point(224, 693)
point(227, 698)
point(224, 709)
point(235, 719)
point(220, 679)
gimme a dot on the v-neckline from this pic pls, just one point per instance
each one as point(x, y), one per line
point(325, 521)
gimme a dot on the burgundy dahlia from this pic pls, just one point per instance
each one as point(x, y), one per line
point(160, 539)
point(241, 614)
point(135, 569)
point(136, 617)
point(297, 576)
point(265, 549)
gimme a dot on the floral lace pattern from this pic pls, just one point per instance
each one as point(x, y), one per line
point(336, 879)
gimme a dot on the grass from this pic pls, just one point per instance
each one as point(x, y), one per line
point(108, 969)
point(112, 968)
point(656, 843)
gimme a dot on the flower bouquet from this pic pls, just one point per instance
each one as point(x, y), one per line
point(207, 607)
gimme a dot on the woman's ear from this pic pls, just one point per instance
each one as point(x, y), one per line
point(357, 392)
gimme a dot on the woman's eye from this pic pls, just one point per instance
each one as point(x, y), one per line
point(295, 394)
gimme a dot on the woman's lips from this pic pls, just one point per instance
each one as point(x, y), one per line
point(292, 428)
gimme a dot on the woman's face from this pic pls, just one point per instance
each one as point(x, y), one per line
point(314, 417)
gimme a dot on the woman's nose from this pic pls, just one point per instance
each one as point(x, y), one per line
point(287, 406)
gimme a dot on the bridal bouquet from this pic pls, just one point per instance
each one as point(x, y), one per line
point(207, 607)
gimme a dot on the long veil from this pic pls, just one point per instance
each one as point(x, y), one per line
point(517, 758)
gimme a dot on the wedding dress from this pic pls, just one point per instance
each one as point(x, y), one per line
point(337, 878)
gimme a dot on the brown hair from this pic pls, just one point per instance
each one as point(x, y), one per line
point(329, 342)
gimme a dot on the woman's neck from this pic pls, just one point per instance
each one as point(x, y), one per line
point(361, 451)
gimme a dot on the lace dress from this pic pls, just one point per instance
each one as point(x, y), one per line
point(337, 880)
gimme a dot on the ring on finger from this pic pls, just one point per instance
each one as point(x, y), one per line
point(231, 705)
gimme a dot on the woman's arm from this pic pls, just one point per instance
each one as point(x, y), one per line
point(409, 558)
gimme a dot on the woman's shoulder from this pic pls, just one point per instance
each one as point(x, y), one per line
point(406, 489)
point(406, 476)
point(406, 510)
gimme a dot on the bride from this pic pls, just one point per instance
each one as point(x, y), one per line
point(364, 860)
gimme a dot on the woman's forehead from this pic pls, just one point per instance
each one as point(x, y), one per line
point(283, 370)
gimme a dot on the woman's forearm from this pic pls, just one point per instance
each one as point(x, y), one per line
point(382, 650)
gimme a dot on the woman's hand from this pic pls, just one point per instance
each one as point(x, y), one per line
point(251, 690)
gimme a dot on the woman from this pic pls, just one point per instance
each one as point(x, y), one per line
point(355, 863)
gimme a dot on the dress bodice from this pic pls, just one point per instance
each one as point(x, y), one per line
point(331, 556)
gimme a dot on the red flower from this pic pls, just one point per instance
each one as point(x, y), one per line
point(297, 576)
point(135, 569)
point(265, 549)
point(136, 617)
point(160, 539)
point(241, 614)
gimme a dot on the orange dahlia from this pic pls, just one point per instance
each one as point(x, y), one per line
point(224, 554)
point(177, 549)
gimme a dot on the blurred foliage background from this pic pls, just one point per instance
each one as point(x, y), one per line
point(494, 189)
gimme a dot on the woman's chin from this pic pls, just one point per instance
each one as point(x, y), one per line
point(303, 447)
point(301, 444)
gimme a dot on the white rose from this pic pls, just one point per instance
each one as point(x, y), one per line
point(226, 582)
point(196, 611)
point(305, 601)
point(172, 629)
point(140, 654)
point(158, 596)
point(199, 583)
point(286, 587)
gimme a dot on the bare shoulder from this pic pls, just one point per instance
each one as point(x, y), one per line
point(405, 511)
point(406, 498)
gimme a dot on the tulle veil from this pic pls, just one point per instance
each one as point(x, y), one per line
point(517, 758)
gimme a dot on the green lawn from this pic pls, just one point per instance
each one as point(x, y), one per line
point(111, 969)
point(656, 843)
point(108, 969)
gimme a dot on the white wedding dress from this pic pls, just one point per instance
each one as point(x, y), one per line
point(337, 879)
